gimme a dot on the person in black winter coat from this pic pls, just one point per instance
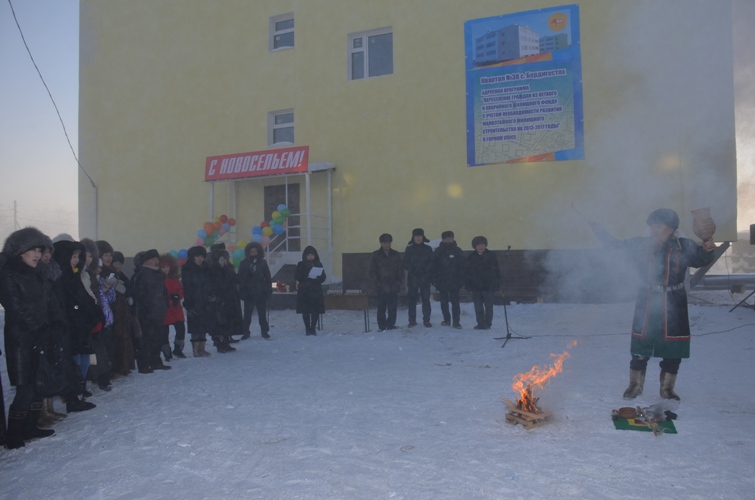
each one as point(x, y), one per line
point(449, 267)
point(255, 287)
point(224, 311)
point(418, 262)
point(151, 300)
point(194, 279)
point(82, 314)
point(387, 273)
point(33, 318)
point(310, 301)
point(483, 280)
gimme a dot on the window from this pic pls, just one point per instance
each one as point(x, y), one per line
point(371, 54)
point(280, 127)
point(282, 32)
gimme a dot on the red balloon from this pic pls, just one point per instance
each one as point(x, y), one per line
point(264, 223)
point(223, 219)
point(231, 221)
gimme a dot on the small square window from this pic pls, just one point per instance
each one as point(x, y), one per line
point(280, 127)
point(370, 53)
point(282, 32)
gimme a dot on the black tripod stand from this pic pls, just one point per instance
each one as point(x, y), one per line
point(509, 335)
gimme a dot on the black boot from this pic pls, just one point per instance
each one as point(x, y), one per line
point(166, 352)
point(228, 346)
point(30, 429)
point(220, 345)
point(178, 350)
point(74, 404)
point(14, 435)
point(84, 392)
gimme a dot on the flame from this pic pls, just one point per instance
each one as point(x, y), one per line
point(537, 377)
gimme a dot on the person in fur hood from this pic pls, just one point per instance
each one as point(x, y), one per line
point(255, 287)
point(83, 316)
point(33, 320)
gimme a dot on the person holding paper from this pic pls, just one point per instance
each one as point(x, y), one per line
point(310, 301)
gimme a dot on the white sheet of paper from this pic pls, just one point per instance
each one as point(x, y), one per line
point(315, 272)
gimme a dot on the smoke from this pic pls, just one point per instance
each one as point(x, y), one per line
point(665, 139)
point(744, 94)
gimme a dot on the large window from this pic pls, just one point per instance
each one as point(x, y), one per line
point(371, 53)
point(282, 32)
point(280, 127)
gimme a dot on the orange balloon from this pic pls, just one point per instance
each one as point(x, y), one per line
point(231, 248)
point(231, 221)
point(209, 228)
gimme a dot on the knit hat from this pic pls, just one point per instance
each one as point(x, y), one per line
point(386, 238)
point(447, 234)
point(196, 251)
point(103, 247)
point(23, 240)
point(149, 254)
point(479, 239)
point(118, 257)
point(664, 216)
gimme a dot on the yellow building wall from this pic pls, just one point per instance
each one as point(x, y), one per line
point(164, 84)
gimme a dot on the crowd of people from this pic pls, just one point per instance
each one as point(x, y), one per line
point(73, 297)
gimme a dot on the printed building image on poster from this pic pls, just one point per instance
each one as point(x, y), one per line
point(524, 87)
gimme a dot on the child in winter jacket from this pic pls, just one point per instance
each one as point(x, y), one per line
point(175, 315)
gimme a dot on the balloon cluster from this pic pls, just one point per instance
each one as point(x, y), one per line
point(262, 233)
point(180, 256)
point(213, 230)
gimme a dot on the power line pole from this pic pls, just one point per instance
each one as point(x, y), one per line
point(15, 216)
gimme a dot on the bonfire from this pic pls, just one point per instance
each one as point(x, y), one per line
point(525, 411)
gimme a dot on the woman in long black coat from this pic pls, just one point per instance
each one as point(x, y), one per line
point(224, 311)
point(255, 287)
point(83, 315)
point(195, 282)
point(310, 302)
point(32, 318)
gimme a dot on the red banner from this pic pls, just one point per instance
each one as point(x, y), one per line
point(257, 164)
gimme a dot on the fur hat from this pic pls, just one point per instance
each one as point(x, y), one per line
point(91, 248)
point(254, 244)
point(664, 216)
point(149, 254)
point(118, 257)
point(24, 240)
point(385, 237)
point(103, 247)
point(63, 237)
point(196, 251)
point(479, 239)
point(217, 246)
point(64, 250)
point(418, 232)
point(447, 234)
point(167, 259)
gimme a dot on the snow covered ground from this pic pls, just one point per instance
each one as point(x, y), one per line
point(411, 414)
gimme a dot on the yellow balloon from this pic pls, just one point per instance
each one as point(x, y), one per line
point(267, 231)
point(276, 214)
point(240, 244)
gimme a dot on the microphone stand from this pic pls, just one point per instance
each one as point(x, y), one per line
point(508, 336)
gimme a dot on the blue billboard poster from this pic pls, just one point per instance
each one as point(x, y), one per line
point(524, 87)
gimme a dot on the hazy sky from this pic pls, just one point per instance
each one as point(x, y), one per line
point(39, 171)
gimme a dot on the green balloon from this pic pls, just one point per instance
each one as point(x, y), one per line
point(209, 241)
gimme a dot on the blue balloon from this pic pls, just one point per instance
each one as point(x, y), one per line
point(226, 226)
point(183, 253)
point(278, 229)
point(257, 237)
point(256, 230)
point(281, 207)
point(202, 234)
